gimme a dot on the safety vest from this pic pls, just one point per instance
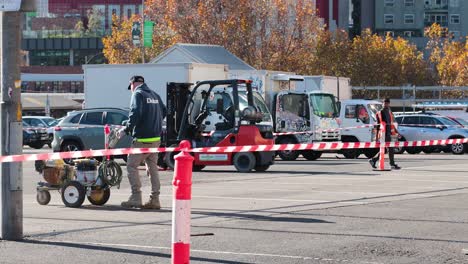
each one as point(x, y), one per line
point(392, 121)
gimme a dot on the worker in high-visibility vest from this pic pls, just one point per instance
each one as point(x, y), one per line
point(386, 116)
point(144, 124)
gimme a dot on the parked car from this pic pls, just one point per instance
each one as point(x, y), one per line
point(84, 129)
point(431, 127)
point(459, 120)
point(35, 137)
point(43, 122)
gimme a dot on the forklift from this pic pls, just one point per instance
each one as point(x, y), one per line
point(237, 116)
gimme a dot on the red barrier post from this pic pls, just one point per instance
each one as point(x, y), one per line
point(106, 138)
point(181, 205)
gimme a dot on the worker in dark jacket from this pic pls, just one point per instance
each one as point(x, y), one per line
point(147, 112)
point(386, 115)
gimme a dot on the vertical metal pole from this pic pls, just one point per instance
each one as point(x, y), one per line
point(11, 189)
point(143, 31)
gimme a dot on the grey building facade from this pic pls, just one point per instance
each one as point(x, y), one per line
point(408, 18)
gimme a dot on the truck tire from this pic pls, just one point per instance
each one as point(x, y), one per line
point(311, 154)
point(288, 155)
point(351, 153)
point(244, 161)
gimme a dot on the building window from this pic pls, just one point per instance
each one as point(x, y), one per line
point(408, 34)
point(409, 2)
point(454, 19)
point(455, 34)
point(409, 19)
point(441, 2)
point(454, 3)
point(388, 19)
point(389, 2)
point(389, 33)
point(435, 18)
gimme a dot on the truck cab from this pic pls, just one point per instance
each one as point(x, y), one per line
point(313, 112)
point(358, 119)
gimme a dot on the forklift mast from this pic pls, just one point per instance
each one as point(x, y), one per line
point(177, 98)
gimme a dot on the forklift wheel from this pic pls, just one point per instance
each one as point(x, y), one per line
point(73, 194)
point(169, 157)
point(43, 197)
point(198, 167)
point(261, 168)
point(99, 196)
point(244, 161)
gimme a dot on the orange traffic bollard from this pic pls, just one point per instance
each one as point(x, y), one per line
point(382, 132)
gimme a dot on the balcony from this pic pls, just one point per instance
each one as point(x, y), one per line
point(429, 23)
point(435, 8)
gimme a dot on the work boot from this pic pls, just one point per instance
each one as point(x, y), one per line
point(135, 201)
point(153, 203)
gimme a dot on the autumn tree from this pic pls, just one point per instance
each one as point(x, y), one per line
point(331, 55)
point(369, 59)
point(119, 47)
point(267, 34)
point(453, 66)
point(448, 58)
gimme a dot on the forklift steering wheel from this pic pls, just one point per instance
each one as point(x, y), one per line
point(229, 114)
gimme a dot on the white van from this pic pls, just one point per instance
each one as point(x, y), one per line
point(358, 118)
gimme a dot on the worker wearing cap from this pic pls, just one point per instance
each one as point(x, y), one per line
point(147, 112)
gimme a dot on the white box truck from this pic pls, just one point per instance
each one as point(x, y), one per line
point(338, 86)
point(294, 109)
point(106, 85)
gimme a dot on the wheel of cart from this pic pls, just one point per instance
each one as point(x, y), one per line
point(43, 197)
point(73, 194)
point(98, 195)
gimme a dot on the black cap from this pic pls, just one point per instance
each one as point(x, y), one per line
point(387, 100)
point(136, 78)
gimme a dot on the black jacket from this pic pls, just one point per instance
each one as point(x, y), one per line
point(147, 112)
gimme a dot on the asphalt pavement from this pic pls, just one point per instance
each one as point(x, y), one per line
point(326, 211)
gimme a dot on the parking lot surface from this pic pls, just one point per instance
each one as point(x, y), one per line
point(326, 211)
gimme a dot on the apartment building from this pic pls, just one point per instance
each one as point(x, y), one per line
point(408, 18)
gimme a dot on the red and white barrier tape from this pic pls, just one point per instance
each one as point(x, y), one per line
point(312, 146)
point(319, 131)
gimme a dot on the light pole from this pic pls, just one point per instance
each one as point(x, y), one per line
point(142, 31)
point(11, 193)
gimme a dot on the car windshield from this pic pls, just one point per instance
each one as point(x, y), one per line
point(462, 121)
point(50, 121)
point(323, 105)
point(258, 100)
point(447, 121)
point(374, 108)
